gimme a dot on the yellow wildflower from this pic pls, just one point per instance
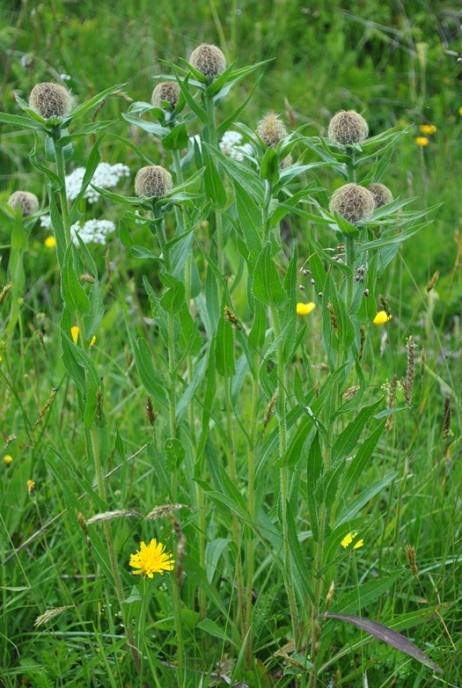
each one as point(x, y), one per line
point(348, 539)
point(151, 559)
point(421, 141)
point(75, 336)
point(382, 317)
point(30, 486)
point(305, 308)
point(7, 459)
point(460, 111)
point(50, 241)
point(427, 129)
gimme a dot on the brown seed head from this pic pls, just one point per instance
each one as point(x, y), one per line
point(353, 202)
point(271, 130)
point(347, 127)
point(166, 91)
point(381, 193)
point(208, 60)
point(153, 181)
point(28, 201)
point(50, 100)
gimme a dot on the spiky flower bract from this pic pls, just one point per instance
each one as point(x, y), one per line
point(353, 202)
point(166, 91)
point(381, 193)
point(153, 181)
point(348, 127)
point(50, 100)
point(271, 130)
point(208, 60)
point(151, 559)
point(27, 201)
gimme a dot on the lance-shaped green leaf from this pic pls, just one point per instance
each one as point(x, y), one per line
point(176, 139)
point(267, 286)
point(96, 100)
point(152, 381)
point(21, 122)
point(74, 295)
point(348, 438)
point(269, 168)
point(213, 184)
point(389, 636)
point(224, 348)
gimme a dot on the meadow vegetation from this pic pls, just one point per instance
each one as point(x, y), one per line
point(230, 344)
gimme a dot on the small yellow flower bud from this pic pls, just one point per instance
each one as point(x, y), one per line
point(50, 241)
point(348, 127)
point(28, 201)
point(271, 130)
point(168, 91)
point(50, 100)
point(353, 202)
point(153, 181)
point(421, 140)
point(7, 459)
point(348, 539)
point(381, 193)
point(30, 486)
point(382, 317)
point(305, 308)
point(208, 60)
point(428, 129)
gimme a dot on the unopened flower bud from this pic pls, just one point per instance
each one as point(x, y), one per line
point(28, 201)
point(50, 100)
point(353, 202)
point(153, 181)
point(348, 127)
point(168, 91)
point(381, 193)
point(271, 130)
point(208, 60)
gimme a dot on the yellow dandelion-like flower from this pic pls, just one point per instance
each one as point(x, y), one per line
point(305, 308)
point(460, 111)
point(151, 559)
point(50, 241)
point(30, 486)
point(7, 459)
point(428, 129)
point(382, 317)
point(75, 336)
point(421, 140)
point(348, 539)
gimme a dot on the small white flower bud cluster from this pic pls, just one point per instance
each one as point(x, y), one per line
point(106, 176)
point(232, 146)
point(92, 232)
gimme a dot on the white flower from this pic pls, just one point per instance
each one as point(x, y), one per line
point(45, 221)
point(231, 146)
point(106, 176)
point(92, 232)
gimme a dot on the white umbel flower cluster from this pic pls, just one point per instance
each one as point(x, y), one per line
point(232, 146)
point(92, 232)
point(106, 177)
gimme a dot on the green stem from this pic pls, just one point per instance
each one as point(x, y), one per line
point(172, 394)
point(251, 504)
point(61, 193)
point(178, 631)
point(350, 256)
point(284, 477)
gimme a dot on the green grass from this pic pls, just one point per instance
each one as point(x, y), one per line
point(256, 543)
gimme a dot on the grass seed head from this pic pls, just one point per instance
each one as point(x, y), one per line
point(28, 201)
point(153, 181)
point(381, 193)
point(208, 60)
point(168, 91)
point(271, 130)
point(353, 202)
point(50, 100)
point(348, 127)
